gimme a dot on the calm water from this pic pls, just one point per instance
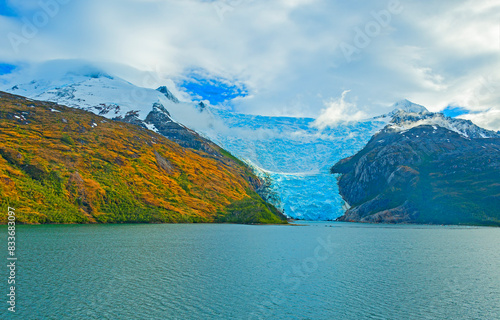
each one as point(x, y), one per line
point(318, 271)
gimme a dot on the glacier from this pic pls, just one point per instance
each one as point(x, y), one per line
point(291, 154)
point(296, 156)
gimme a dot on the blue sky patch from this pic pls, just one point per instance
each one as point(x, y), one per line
point(6, 68)
point(453, 112)
point(6, 10)
point(204, 86)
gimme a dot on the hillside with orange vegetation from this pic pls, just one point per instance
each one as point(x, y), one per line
point(65, 165)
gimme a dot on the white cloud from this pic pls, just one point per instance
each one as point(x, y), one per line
point(489, 119)
point(338, 110)
point(286, 52)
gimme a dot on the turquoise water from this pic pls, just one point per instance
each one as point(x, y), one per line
point(203, 271)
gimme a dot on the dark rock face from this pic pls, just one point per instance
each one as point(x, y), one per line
point(106, 108)
point(187, 138)
point(163, 163)
point(201, 106)
point(170, 96)
point(133, 118)
point(160, 119)
point(427, 174)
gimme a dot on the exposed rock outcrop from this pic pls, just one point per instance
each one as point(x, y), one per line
point(426, 174)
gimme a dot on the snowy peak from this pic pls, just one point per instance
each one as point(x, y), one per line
point(158, 107)
point(403, 121)
point(407, 115)
point(110, 96)
point(201, 106)
point(170, 96)
point(408, 107)
point(90, 89)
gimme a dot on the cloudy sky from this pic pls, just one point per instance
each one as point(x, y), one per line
point(283, 57)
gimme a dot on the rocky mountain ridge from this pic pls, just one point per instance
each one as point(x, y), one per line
point(424, 168)
point(65, 165)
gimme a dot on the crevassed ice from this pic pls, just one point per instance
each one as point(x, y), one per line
point(297, 156)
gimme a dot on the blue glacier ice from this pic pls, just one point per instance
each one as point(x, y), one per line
point(297, 157)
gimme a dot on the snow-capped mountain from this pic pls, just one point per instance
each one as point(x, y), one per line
point(407, 115)
point(430, 172)
point(407, 106)
point(292, 153)
point(93, 90)
point(170, 96)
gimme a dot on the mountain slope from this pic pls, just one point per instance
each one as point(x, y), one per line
point(291, 154)
point(86, 87)
point(64, 165)
point(424, 168)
